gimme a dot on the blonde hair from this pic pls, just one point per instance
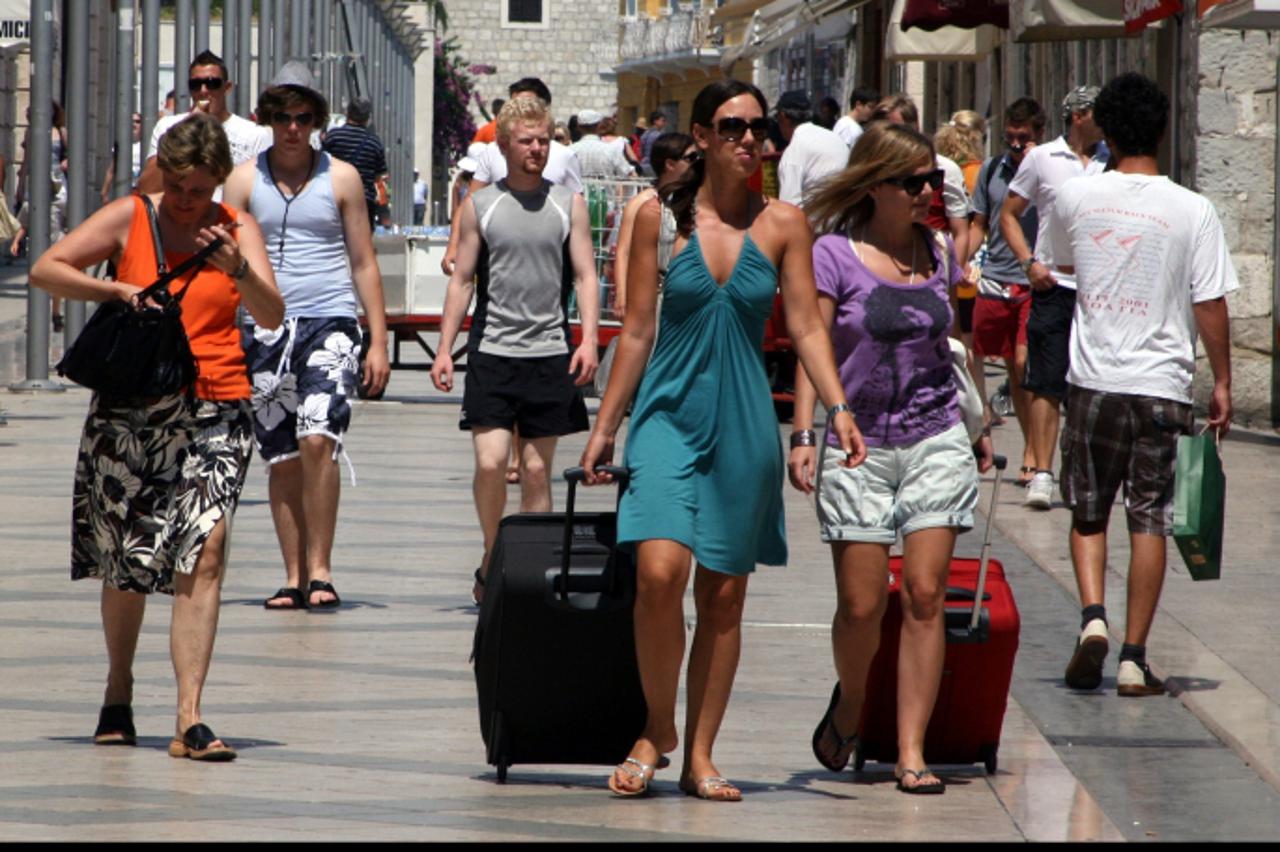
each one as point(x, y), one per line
point(967, 119)
point(196, 141)
point(883, 151)
point(520, 110)
point(957, 143)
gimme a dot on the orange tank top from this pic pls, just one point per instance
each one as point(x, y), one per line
point(209, 308)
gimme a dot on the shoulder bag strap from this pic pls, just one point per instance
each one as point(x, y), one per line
point(154, 221)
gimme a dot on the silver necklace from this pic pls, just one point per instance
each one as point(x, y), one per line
point(911, 279)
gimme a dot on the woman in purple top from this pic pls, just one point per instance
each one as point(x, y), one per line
point(886, 286)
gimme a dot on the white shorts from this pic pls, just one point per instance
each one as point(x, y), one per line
point(931, 483)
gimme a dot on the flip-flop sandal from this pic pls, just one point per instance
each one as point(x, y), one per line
point(115, 726)
point(711, 788)
point(321, 586)
point(827, 728)
point(920, 788)
point(292, 595)
point(642, 771)
point(201, 743)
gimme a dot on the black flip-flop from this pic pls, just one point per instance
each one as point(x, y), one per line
point(294, 596)
point(921, 789)
point(828, 724)
point(198, 744)
point(321, 586)
point(115, 726)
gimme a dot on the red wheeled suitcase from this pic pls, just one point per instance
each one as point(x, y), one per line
point(982, 638)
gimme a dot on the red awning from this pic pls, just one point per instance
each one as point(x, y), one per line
point(1139, 13)
point(931, 15)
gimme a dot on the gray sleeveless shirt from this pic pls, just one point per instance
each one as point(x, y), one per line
point(524, 276)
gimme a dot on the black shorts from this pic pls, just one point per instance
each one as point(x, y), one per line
point(535, 394)
point(1049, 341)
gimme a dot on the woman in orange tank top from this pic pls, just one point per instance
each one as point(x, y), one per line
point(151, 504)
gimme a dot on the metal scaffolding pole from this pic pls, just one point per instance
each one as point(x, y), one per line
point(305, 36)
point(39, 162)
point(244, 57)
point(77, 146)
point(279, 46)
point(150, 102)
point(181, 56)
point(265, 24)
point(323, 24)
point(296, 35)
point(126, 97)
point(231, 51)
point(202, 26)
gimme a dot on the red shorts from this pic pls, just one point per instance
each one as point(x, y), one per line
point(1000, 325)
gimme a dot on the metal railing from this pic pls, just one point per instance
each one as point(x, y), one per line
point(682, 31)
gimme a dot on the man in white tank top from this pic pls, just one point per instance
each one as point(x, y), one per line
point(312, 211)
point(525, 240)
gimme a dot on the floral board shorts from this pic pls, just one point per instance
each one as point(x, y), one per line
point(302, 374)
point(152, 482)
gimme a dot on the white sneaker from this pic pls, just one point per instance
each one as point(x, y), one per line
point(1039, 491)
point(1085, 669)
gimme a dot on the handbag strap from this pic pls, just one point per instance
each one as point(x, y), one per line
point(191, 264)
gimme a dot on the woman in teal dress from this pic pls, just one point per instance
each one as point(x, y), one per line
point(703, 453)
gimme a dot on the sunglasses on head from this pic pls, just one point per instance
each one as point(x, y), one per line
point(284, 119)
point(913, 185)
point(732, 128)
point(213, 84)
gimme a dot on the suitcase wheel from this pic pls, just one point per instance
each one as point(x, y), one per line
point(988, 756)
point(498, 751)
point(859, 759)
point(502, 773)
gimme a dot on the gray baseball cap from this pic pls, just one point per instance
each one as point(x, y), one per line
point(295, 74)
point(1081, 98)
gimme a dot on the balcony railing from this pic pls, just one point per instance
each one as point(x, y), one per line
point(680, 35)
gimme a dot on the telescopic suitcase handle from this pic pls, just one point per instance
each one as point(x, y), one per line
point(573, 476)
point(975, 618)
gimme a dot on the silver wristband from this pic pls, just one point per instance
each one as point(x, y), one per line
point(837, 408)
point(803, 438)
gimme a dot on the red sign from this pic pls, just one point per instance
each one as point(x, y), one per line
point(930, 15)
point(1203, 6)
point(1139, 13)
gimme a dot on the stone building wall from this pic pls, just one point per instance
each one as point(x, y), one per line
point(574, 54)
point(1235, 169)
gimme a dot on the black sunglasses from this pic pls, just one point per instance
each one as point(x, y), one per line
point(213, 84)
point(691, 157)
point(914, 184)
point(732, 128)
point(284, 119)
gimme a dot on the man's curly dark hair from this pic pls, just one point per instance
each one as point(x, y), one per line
point(1133, 114)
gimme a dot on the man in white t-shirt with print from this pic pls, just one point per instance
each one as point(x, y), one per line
point(1152, 269)
point(813, 152)
point(209, 84)
point(862, 103)
point(1053, 292)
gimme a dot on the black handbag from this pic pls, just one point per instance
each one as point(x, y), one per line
point(136, 349)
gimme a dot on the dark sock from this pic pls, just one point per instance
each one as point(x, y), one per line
point(1091, 612)
point(1136, 653)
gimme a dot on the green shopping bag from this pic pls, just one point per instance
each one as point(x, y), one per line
point(1199, 497)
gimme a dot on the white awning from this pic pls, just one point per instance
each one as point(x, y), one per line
point(782, 20)
point(1065, 20)
point(15, 22)
point(1244, 15)
point(945, 44)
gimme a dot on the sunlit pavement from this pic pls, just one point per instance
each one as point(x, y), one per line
point(361, 724)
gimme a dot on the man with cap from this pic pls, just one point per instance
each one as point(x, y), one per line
point(209, 83)
point(813, 152)
point(358, 145)
point(597, 158)
point(313, 212)
point(1053, 292)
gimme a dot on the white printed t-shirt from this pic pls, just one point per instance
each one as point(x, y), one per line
point(848, 130)
point(247, 139)
point(562, 166)
point(1145, 250)
point(1044, 169)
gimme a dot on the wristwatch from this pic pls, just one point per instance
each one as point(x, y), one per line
point(242, 270)
point(1026, 265)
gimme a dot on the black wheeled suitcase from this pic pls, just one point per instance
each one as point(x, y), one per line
point(554, 653)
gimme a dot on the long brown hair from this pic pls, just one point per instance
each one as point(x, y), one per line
point(883, 151)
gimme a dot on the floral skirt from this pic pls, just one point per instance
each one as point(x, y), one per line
point(152, 482)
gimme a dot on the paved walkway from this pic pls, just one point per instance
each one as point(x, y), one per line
point(361, 724)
